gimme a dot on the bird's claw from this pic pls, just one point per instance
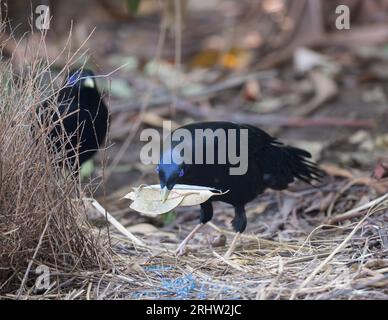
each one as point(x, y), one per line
point(227, 255)
point(181, 250)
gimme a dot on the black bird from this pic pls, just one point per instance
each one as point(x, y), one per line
point(80, 122)
point(270, 164)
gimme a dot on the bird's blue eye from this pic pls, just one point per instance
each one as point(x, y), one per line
point(181, 173)
point(74, 78)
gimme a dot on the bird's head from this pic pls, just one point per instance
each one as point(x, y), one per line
point(81, 79)
point(169, 176)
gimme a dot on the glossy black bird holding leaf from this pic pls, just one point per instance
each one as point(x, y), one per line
point(271, 164)
point(80, 122)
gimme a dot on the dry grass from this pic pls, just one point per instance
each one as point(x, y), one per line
point(42, 219)
point(306, 259)
point(348, 261)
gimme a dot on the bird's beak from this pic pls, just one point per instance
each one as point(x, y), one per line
point(164, 194)
point(88, 83)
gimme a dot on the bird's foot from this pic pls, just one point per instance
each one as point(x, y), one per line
point(181, 250)
point(232, 246)
point(227, 254)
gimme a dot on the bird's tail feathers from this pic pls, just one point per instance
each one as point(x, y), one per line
point(285, 163)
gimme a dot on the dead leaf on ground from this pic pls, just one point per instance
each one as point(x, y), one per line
point(381, 169)
point(306, 60)
point(235, 58)
point(252, 91)
point(363, 139)
point(382, 141)
point(325, 89)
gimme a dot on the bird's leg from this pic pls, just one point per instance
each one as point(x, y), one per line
point(239, 224)
point(206, 215)
point(181, 248)
point(232, 245)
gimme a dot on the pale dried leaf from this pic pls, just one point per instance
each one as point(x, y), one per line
point(147, 200)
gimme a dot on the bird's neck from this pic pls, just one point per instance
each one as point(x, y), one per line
point(82, 98)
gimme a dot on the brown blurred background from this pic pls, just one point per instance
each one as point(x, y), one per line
point(281, 65)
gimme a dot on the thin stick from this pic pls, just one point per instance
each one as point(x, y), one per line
point(228, 262)
point(33, 257)
point(352, 212)
point(107, 75)
point(115, 223)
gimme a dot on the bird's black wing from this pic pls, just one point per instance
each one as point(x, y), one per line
point(280, 164)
